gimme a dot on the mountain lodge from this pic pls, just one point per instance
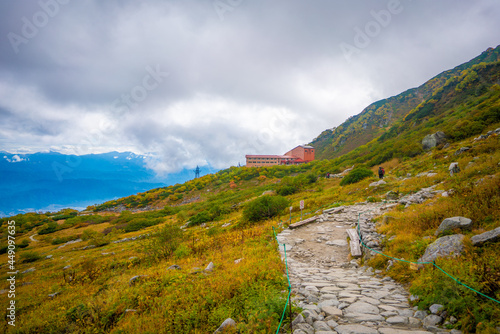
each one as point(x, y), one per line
point(298, 155)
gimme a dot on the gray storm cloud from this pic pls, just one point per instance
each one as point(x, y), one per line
point(206, 82)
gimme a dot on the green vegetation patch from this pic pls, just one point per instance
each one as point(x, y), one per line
point(264, 207)
point(356, 175)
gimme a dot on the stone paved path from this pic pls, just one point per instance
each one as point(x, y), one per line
point(337, 296)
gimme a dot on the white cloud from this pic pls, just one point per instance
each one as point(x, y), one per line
point(268, 77)
point(15, 158)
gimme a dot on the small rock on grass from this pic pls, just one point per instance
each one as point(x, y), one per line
point(226, 324)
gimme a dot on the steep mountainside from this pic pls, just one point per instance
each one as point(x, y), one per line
point(377, 119)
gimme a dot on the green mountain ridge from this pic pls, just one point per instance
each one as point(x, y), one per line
point(379, 117)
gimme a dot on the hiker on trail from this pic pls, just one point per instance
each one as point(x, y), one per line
point(381, 172)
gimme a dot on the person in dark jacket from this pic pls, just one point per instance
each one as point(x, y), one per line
point(381, 172)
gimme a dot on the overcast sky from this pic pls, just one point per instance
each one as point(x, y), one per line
point(207, 81)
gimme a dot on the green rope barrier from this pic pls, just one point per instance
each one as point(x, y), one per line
point(288, 279)
point(468, 287)
point(416, 262)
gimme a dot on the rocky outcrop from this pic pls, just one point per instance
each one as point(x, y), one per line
point(452, 223)
point(341, 175)
point(70, 243)
point(489, 133)
point(378, 183)
point(433, 140)
point(391, 195)
point(174, 267)
point(210, 267)
point(130, 239)
point(450, 245)
point(30, 270)
point(419, 197)
point(490, 236)
point(461, 150)
point(53, 295)
point(135, 279)
point(225, 325)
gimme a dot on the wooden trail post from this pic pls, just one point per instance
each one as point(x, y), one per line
point(354, 242)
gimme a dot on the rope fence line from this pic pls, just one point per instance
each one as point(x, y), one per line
point(415, 262)
point(289, 286)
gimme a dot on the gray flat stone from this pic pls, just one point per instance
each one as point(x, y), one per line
point(388, 308)
point(452, 223)
point(332, 323)
point(347, 285)
point(298, 319)
point(450, 245)
point(313, 307)
point(362, 307)
point(347, 300)
point(332, 310)
point(355, 329)
point(330, 289)
point(397, 320)
point(319, 284)
point(226, 324)
point(339, 242)
point(310, 314)
point(378, 294)
point(431, 321)
point(308, 329)
point(414, 322)
point(321, 326)
point(360, 317)
point(311, 288)
point(406, 312)
point(369, 300)
point(490, 236)
point(436, 308)
point(328, 296)
point(299, 331)
point(400, 331)
point(346, 294)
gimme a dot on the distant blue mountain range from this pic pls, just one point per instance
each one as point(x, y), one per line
point(53, 181)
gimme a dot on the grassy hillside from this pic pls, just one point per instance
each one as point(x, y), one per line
point(95, 294)
point(436, 98)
